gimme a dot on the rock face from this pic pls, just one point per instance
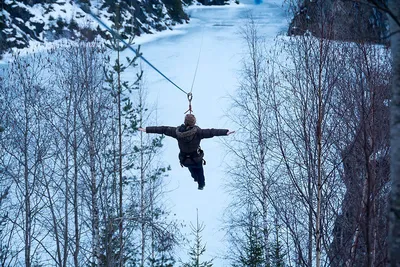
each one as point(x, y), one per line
point(48, 20)
point(340, 20)
point(362, 225)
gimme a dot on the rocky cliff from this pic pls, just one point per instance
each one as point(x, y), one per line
point(24, 21)
point(340, 20)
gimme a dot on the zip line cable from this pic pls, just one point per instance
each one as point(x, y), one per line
point(190, 95)
point(198, 59)
point(85, 8)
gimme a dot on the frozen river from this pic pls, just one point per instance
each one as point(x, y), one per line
point(214, 34)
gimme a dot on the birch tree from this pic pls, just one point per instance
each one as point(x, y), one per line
point(25, 142)
point(252, 174)
point(294, 103)
point(93, 114)
point(5, 185)
point(72, 64)
point(157, 231)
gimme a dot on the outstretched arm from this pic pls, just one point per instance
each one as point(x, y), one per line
point(208, 133)
point(167, 130)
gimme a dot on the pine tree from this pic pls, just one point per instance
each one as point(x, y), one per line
point(252, 255)
point(197, 249)
point(175, 9)
point(156, 233)
point(124, 125)
point(163, 257)
point(277, 250)
point(2, 35)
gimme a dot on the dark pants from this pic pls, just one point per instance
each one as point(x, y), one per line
point(197, 173)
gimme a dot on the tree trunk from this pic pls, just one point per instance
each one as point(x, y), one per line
point(54, 221)
point(319, 161)
point(121, 213)
point(142, 195)
point(66, 173)
point(95, 208)
point(27, 200)
point(93, 181)
point(75, 199)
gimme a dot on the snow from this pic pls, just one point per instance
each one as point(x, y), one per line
point(37, 12)
point(30, 26)
point(213, 33)
point(175, 53)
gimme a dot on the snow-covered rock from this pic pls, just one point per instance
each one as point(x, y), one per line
point(22, 22)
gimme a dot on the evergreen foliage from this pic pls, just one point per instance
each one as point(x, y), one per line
point(175, 9)
point(60, 26)
point(95, 107)
point(149, 237)
point(251, 253)
point(157, 234)
point(109, 245)
point(162, 256)
point(114, 243)
point(277, 249)
point(23, 25)
point(2, 35)
point(198, 248)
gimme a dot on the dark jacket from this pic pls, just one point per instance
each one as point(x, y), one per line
point(188, 138)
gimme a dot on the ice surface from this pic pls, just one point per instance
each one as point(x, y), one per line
point(214, 33)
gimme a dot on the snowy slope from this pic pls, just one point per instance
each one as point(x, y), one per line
point(24, 22)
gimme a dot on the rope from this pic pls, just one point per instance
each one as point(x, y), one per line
point(85, 8)
point(198, 60)
point(190, 95)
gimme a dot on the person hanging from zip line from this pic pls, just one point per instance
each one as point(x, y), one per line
point(189, 136)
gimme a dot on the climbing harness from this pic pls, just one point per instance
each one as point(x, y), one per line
point(183, 157)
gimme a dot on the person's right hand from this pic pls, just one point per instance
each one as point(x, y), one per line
point(142, 129)
point(230, 132)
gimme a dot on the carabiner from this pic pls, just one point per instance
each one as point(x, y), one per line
point(190, 96)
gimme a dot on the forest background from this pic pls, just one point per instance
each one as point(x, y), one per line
point(309, 169)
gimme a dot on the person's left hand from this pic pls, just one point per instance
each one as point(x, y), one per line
point(230, 132)
point(142, 129)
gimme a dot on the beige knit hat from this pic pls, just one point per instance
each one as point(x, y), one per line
point(190, 120)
